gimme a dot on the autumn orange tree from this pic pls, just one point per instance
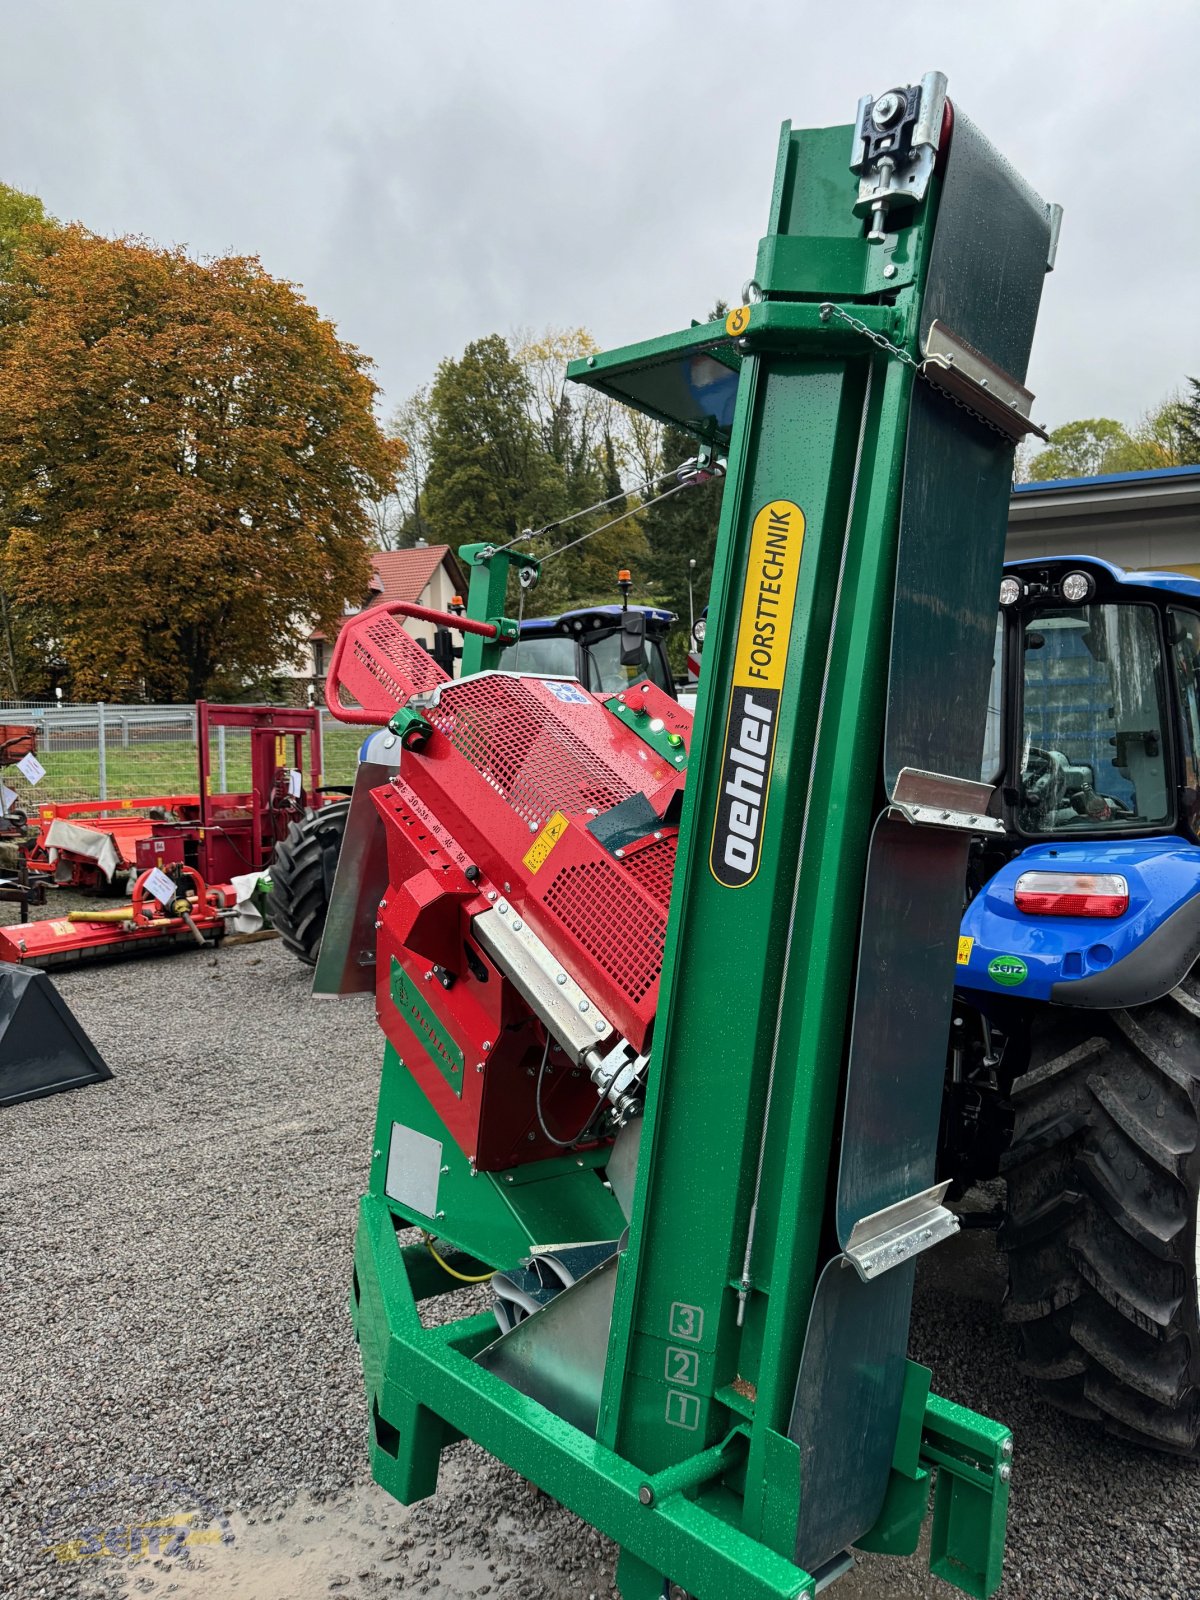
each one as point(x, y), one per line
point(186, 452)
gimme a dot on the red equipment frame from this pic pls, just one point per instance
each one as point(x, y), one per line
point(211, 839)
point(220, 835)
point(383, 666)
point(493, 812)
point(87, 936)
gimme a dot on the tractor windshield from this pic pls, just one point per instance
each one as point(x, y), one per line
point(1092, 752)
point(607, 673)
point(553, 653)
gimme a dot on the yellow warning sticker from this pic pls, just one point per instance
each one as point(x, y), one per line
point(737, 321)
point(61, 928)
point(965, 946)
point(536, 856)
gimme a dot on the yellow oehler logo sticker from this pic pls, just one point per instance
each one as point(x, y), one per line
point(764, 631)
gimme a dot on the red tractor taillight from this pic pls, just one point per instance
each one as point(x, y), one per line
point(1072, 894)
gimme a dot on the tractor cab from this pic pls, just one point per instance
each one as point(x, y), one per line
point(1093, 744)
point(1097, 671)
point(596, 645)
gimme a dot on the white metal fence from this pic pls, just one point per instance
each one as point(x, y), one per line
point(95, 751)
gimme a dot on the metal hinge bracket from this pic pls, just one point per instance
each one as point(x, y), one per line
point(899, 1232)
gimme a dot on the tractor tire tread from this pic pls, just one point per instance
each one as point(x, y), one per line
point(301, 878)
point(1100, 1235)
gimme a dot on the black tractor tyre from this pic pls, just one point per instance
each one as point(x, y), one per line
point(1101, 1232)
point(302, 871)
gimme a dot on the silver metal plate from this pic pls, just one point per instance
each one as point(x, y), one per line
point(557, 1356)
point(621, 1168)
point(571, 1015)
point(887, 1238)
point(413, 1170)
point(346, 964)
point(939, 800)
point(966, 374)
point(847, 1406)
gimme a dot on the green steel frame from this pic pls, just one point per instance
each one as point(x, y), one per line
point(701, 1485)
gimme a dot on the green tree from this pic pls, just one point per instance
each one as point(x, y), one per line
point(412, 421)
point(1083, 450)
point(186, 453)
point(23, 221)
point(25, 224)
point(1180, 423)
point(510, 449)
point(681, 530)
point(489, 475)
point(580, 429)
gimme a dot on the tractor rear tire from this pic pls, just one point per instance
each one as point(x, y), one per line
point(302, 878)
point(1101, 1234)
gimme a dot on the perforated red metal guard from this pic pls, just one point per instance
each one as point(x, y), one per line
point(652, 868)
point(509, 755)
point(620, 929)
point(541, 752)
point(382, 665)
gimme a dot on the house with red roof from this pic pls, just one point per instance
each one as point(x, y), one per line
point(426, 574)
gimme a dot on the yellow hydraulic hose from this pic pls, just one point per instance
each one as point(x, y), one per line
point(446, 1267)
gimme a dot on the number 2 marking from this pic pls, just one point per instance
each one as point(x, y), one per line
point(683, 1366)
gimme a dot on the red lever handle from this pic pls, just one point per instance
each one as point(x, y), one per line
point(444, 619)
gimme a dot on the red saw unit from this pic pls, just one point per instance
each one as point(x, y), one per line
point(531, 832)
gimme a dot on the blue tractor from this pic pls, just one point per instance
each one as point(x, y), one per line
point(1075, 1059)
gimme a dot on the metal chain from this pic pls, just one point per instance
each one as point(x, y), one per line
point(828, 309)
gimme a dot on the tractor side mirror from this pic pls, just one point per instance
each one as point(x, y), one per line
point(633, 638)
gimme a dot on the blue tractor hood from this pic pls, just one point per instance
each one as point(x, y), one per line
point(1100, 962)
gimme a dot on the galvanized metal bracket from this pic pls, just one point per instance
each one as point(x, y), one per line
point(953, 365)
point(895, 146)
point(938, 800)
point(900, 1231)
point(571, 1015)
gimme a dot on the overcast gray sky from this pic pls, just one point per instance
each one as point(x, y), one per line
point(430, 173)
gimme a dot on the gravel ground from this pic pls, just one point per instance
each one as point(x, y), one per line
point(176, 1254)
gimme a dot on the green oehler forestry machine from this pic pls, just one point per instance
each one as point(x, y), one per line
point(666, 1003)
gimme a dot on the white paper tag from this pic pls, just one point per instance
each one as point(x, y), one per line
point(164, 889)
point(295, 783)
point(31, 769)
point(8, 798)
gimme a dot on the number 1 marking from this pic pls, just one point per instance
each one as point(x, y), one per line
point(683, 1410)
